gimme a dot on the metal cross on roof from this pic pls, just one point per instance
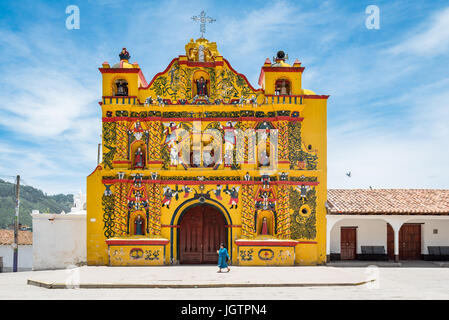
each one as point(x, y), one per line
point(203, 19)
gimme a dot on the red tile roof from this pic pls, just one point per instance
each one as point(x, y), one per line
point(388, 201)
point(7, 237)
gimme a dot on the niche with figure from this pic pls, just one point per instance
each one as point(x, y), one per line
point(138, 155)
point(282, 87)
point(265, 223)
point(120, 88)
point(138, 224)
point(264, 145)
point(201, 84)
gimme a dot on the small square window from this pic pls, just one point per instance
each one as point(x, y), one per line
point(435, 231)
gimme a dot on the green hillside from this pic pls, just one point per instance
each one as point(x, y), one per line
point(30, 199)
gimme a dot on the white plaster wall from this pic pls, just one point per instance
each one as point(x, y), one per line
point(370, 232)
point(59, 240)
point(427, 236)
point(25, 257)
point(373, 231)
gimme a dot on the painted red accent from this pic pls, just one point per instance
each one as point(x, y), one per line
point(276, 69)
point(284, 69)
point(303, 183)
point(261, 77)
point(119, 70)
point(100, 103)
point(196, 182)
point(315, 96)
point(233, 226)
point(280, 118)
point(268, 243)
point(169, 226)
point(142, 78)
point(268, 199)
point(99, 167)
point(202, 64)
point(284, 95)
point(116, 242)
point(155, 162)
point(119, 97)
point(243, 76)
point(159, 74)
point(121, 161)
point(113, 119)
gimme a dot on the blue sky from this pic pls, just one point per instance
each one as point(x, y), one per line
point(388, 114)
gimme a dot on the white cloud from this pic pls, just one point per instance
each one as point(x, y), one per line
point(410, 152)
point(431, 41)
point(49, 115)
point(49, 102)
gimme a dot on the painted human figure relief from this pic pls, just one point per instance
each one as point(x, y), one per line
point(139, 159)
point(170, 133)
point(201, 87)
point(174, 156)
point(230, 141)
point(124, 54)
point(139, 226)
point(264, 230)
point(217, 192)
point(234, 196)
point(168, 195)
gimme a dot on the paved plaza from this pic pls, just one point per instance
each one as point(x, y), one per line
point(412, 281)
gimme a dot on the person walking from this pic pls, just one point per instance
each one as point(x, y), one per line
point(223, 256)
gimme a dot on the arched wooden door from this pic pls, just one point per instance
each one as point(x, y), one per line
point(201, 231)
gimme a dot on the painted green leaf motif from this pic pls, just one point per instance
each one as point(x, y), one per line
point(303, 227)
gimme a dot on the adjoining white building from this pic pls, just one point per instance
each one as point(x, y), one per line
point(25, 252)
point(388, 224)
point(59, 240)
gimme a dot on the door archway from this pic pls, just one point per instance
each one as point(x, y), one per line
point(201, 230)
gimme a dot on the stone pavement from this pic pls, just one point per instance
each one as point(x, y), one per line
point(385, 264)
point(391, 283)
point(195, 277)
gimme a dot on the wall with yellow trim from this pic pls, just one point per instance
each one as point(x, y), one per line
point(266, 256)
point(136, 255)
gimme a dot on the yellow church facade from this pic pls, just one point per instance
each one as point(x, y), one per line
point(197, 157)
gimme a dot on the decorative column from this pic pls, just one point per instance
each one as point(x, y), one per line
point(121, 207)
point(155, 201)
point(284, 216)
point(248, 210)
point(108, 212)
point(396, 223)
point(248, 145)
point(122, 142)
point(396, 244)
point(154, 144)
point(283, 159)
point(109, 143)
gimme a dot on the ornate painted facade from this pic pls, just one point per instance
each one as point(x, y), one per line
point(198, 156)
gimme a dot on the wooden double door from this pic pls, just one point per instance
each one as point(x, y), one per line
point(348, 243)
point(201, 231)
point(409, 242)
